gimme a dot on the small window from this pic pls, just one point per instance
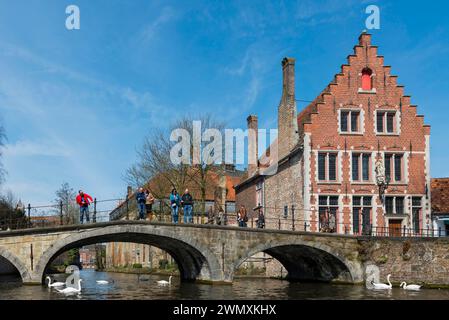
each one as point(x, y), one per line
point(386, 122)
point(361, 214)
point(361, 166)
point(327, 166)
point(327, 212)
point(393, 167)
point(394, 205)
point(350, 121)
point(367, 84)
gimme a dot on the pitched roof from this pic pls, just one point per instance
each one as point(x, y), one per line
point(440, 195)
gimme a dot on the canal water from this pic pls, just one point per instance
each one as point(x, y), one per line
point(130, 287)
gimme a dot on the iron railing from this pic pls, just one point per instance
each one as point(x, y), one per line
point(54, 215)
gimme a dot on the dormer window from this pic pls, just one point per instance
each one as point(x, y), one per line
point(367, 81)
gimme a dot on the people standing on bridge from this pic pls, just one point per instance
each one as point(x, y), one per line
point(242, 217)
point(210, 215)
point(83, 200)
point(141, 199)
point(260, 219)
point(175, 203)
point(187, 204)
point(220, 217)
point(149, 201)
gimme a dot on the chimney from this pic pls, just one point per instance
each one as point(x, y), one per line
point(365, 39)
point(287, 122)
point(252, 145)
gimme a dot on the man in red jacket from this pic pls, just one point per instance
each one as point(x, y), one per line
point(83, 199)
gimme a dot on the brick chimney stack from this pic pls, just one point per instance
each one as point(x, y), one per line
point(253, 140)
point(287, 122)
point(365, 39)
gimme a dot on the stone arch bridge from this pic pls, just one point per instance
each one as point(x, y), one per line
point(212, 253)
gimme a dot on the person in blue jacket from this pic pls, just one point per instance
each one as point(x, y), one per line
point(141, 199)
point(175, 203)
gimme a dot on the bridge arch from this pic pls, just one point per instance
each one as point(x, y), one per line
point(307, 260)
point(16, 262)
point(194, 259)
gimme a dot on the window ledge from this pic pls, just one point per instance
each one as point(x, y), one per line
point(368, 183)
point(351, 133)
point(396, 216)
point(396, 184)
point(372, 91)
point(387, 134)
point(329, 182)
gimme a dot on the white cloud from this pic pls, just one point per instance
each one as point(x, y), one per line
point(34, 148)
point(167, 15)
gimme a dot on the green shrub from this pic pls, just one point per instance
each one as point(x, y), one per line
point(137, 266)
point(163, 264)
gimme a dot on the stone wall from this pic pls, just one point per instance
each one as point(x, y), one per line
point(285, 189)
point(421, 261)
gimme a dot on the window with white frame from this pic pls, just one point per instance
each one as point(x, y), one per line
point(327, 166)
point(361, 167)
point(361, 214)
point(350, 121)
point(394, 166)
point(386, 122)
point(394, 205)
point(327, 212)
point(416, 214)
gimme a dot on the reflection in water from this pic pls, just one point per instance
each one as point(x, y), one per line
point(129, 286)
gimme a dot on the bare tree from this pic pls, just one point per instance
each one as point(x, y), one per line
point(66, 195)
point(200, 172)
point(155, 170)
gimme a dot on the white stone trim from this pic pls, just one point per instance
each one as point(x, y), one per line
point(361, 121)
point(428, 204)
point(398, 121)
point(339, 173)
point(307, 176)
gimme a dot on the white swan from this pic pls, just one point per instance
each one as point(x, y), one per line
point(71, 289)
point(102, 282)
point(410, 286)
point(164, 282)
point(383, 286)
point(54, 284)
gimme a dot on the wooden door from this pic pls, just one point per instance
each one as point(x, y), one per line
point(394, 227)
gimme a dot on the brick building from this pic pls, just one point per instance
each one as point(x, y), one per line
point(328, 153)
point(440, 205)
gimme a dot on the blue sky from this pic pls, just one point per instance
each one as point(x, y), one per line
point(76, 104)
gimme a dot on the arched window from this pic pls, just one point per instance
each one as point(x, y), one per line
point(367, 84)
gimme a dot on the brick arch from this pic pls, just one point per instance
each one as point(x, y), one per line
point(278, 249)
point(194, 259)
point(16, 262)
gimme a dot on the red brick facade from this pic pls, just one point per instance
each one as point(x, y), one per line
point(362, 116)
